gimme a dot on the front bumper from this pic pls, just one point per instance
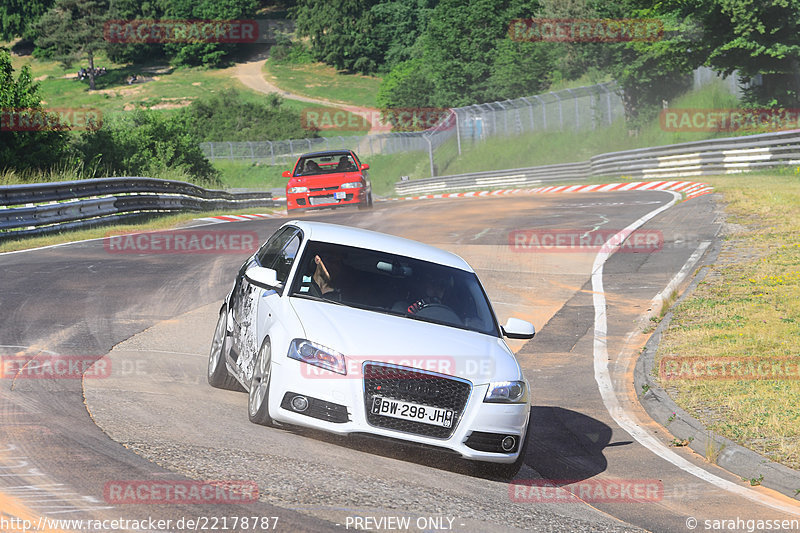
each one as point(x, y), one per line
point(340, 400)
point(328, 197)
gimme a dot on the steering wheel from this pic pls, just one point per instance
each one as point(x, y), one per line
point(439, 312)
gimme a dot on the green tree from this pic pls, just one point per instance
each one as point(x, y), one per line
point(73, 30)
point(409, 84)
point(205, 53)
point(467, 56)
point(757, 38)
point(142, 143)
point(24, 149)
point(342, 32)
point(18, 17)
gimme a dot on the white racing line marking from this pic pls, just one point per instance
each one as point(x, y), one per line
point(628, 421)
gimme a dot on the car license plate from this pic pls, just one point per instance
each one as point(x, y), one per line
point(412, 411)
point(340, 195)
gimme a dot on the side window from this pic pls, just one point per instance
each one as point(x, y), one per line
point(269, 250)
point(285, 259)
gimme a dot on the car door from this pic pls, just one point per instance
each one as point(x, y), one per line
point(260, 309)
point(242, 297)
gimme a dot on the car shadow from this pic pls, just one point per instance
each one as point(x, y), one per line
point(567, 446)
point(564, 447)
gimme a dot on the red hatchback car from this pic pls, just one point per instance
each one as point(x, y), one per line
point(328, 179)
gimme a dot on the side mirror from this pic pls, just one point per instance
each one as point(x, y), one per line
point(287, 174)
point(518, 329)
point(364, 166)
point(266, 278)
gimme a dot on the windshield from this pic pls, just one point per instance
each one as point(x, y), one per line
point(393, 284)
point(325, 164)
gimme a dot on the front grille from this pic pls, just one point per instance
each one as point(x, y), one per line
point(415, 386)
point(317, 189)
point(328, 199)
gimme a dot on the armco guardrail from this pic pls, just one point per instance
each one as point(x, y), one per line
point(511, 178)
point(698, 158)
point(40, 208)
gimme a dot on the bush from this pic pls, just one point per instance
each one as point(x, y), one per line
point(145, 143)
point(230, 116)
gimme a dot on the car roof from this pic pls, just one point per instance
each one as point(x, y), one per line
point(373, 240)
point(327, 152)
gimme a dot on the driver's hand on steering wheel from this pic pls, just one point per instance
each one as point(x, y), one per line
point(417, 306)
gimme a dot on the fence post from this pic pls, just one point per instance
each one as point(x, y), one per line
point(577, 118)
point(212, 150)
point(560, 111)
point(430, 153)
point(530, 111)
point(544, 112)
point(271, 152)
point(608, 101)
point(458, 132)
point(252, 152)
point(230, 145)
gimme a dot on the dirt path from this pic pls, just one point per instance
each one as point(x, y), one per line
point(250, 73)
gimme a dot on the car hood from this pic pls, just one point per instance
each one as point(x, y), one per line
point(370, 336)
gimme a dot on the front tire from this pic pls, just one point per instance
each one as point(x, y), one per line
point(258, 398)
point(367, 204)
point(217, 374)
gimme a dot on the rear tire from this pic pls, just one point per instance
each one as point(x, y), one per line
point(217, 374)
point(258, 398)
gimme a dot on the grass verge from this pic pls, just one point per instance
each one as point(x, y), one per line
point(747, 307)
point(317, 80)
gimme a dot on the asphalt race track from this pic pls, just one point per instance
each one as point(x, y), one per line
point(153, 417)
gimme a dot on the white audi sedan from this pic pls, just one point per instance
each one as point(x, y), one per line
point(351, 331)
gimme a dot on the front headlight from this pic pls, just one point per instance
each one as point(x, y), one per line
point(352, 185)
point(317, 355)
point(295, 190)
point(507, 392)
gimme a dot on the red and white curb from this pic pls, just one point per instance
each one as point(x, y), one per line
point(691, 189)
point(239, 218)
